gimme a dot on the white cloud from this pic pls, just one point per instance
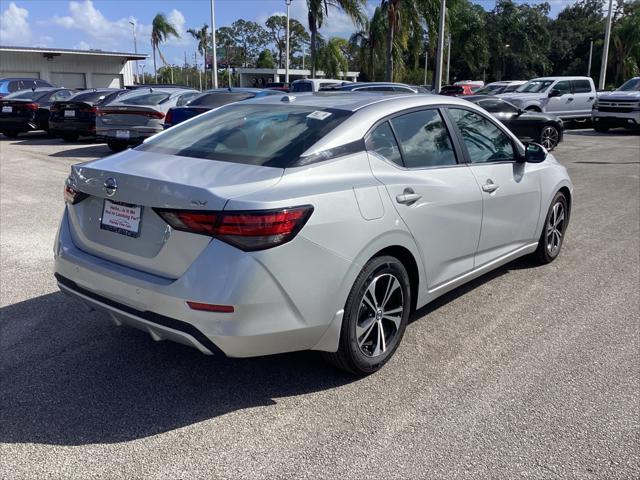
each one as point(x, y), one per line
point(176, 18)
point(14, 26)
point(82, 46)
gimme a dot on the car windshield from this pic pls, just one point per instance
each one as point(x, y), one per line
point(143, 98)
point(451, 89)
point(535, 86)
point(25, 95)
point(266, 135)
point(511, 88)
point(219, 98)
point(632, 85)
point(301, 87)
point(489, 90)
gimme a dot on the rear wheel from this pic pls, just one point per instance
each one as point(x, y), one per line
point(117, 145)
point(553, 231)
point(70, 137)
point(549, 137)
point(375, 318)
point(601, 128)
point(10, 133)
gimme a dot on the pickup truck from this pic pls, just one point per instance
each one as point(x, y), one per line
point(620, 108)
point(570, 98)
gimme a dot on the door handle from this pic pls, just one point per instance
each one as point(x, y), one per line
point(408, 197)
point(591, 98)
point(490, 187)
point(570, 99)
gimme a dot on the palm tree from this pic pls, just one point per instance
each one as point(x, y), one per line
point(202, 36)
point(318, 11)
point(161, 30)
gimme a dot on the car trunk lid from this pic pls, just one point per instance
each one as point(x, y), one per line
point(129, 115)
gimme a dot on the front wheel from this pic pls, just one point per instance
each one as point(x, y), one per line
point(376, 315)
point(549, 137)
point(553, 231)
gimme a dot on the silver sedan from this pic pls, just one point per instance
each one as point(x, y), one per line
point(312, 222)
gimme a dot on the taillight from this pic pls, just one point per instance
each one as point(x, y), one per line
point(89, 110)
point(31, 106)
point(248, 231)
point(169, 118)
point(71, 195)
point(155, 114)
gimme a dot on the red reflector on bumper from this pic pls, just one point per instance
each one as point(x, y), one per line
point(208, 307)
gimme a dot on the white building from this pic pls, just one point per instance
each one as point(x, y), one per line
point(70, 68)
point(257, 77)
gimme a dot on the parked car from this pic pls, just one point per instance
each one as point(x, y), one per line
point(620, 108)
point(544, 128)
point(280, 86)
point(76, 116)
point(318, 222)
point(314, 84)
point(213, 99)
point(27, 110)
point(496, 88)
point(388, 87)
point(137, 115)
point(570, 98)
point(458, 90)
point(14, 84)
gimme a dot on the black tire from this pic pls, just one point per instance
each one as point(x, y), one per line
point(116, 145)
point(10, 134)
point(600, 128)
point(70, 137)
point(532, 109)
point(545, 253)
point(549, 137)
point(361, 359)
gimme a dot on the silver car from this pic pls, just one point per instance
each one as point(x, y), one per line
point(138, 115)
point(312, 222)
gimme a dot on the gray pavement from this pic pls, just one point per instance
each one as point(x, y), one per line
point(528, 372)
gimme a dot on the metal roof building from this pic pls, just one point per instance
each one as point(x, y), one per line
point(70, 68)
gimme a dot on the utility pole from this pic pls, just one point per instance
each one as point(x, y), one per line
point(438, 76)
point(186, 75)
point(286, 77)
point(605, 49)
point(426, 65)
point(214, 62)
point(135, 48)
point(304, 54)
point(448, 57)
point(590, 56)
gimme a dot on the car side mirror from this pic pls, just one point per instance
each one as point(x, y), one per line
point(554, 93)
point(534, 153)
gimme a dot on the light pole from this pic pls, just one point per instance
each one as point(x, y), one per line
point(214, 62)
point(590, 56)
point(286, 77)
point(135, 47)
point(448, 57)
point(605, 50)
point(438, 77)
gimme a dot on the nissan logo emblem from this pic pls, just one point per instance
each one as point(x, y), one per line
point(110, 186)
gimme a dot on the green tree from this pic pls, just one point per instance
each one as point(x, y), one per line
point(161, 30)
point(265, 59)
point(317, 13)
point(625, 38)
point(202, 36)
point(331, 57)
point(366, 45)
point(277, 28)
point(249, 38)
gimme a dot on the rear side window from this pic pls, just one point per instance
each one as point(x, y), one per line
point(14, 86)
point(382, 142)
point(424, 139)
point(218, 99)
point(563, 87)
point(581, 86)
point(485, 142)
point(302, 87)
point(266, 135)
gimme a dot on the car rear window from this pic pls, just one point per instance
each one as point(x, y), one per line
point(218, 99)
point(138, 98)
point(301, 87)
point(90, 96)
point(266, 135)
point(26, 95)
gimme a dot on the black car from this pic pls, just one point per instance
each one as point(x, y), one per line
point(28, 110)
point(543, 128)
point(76, 116)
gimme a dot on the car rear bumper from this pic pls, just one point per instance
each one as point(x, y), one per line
point(136, 134)
point(79, 128)
point(18, 124)
point(267, 319)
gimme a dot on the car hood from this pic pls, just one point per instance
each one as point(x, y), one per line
point(529, 115)
point(619, 95)
point(509, 97)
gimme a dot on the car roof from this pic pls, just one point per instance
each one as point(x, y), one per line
point(563, 77)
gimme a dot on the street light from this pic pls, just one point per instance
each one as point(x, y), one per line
point(286, 78)
point(135, 47)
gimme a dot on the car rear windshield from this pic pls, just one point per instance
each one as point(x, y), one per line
point(630, 85)
point(266, 135)
point(90, 96)
point(301, 87)
point(25, 95)
point(535, 86)
point(489, 89)
point(218, 99)
point(139, 98)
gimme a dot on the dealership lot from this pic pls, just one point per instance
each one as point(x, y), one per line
point(526, 372)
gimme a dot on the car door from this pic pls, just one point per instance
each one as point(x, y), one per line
point(436, 196)
point(583, 97)
point(510, 189)
point(562, 103)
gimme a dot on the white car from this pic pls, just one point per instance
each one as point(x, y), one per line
point(312, 222)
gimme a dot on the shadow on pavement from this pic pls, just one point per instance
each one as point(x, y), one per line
point(91, 151)
point(72, 378)
point(620, 132)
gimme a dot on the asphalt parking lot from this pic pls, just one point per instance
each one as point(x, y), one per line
point(528, 372)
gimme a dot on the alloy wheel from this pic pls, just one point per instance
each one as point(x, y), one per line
point(549, 137)
point(555, 229)
point(379, 315)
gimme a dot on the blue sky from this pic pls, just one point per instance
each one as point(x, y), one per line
point(104, 24)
